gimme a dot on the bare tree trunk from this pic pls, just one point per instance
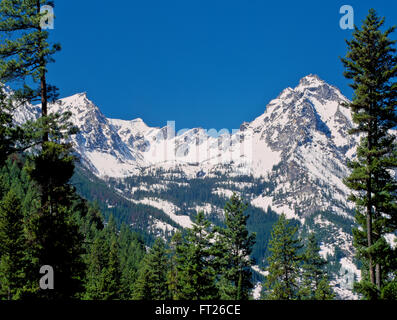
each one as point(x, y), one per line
point(44, 106)
point(43, 81)
point(378, 276)
point(369, 241)
point(369, 211)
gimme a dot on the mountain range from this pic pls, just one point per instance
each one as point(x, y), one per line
point(291, 159)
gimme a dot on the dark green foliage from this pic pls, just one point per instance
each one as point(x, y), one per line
point(98, 261)
point(315, 284)
point(234, 247)
point(25, 53)
point(53, 236)
point(55, 240)
point(282, 282)
point(371, 63)
point(104, 271)
point(151, 283)
point(389, 292)
point(49, 239)
point(112, 260)
point(113, 272)
point(195, 273)
point(104, 266)
point(51, 170)
point(132, 252)
point(173, 272)
point(12, 247)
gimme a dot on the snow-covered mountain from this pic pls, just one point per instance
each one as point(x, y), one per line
point(291, 159)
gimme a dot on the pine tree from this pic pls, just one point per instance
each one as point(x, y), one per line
point(111, 275)
point(24, 58)
point(132, 252)
point(371, 63)
point(151, 283)
point(26, 52)
point(97, 261)
point(12, 247)
point(284, 262)
point(104, 274)
point(315, 284)
point(196, 276)
point(176, 255)
point(233, 247)
point(54, 236)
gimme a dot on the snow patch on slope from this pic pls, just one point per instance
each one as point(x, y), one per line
point(169, 208)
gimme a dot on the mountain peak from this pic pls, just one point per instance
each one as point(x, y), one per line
point(76, 98)
point(79, 101)
point(138, 120)
point(311, 80)
point(81, 95)
point(136, 125)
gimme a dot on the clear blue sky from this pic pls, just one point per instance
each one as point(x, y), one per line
point(208, 63)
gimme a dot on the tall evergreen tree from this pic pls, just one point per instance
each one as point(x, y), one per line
point(234, 246)
point(98, 258)
point(282, 282)
point(54, 236)
point(371, 63)
point(104, 274)
point(196, 276)
point(176, 255)
point(26, 52)
point(24, 57)
point(12, 247)
point(151, 283)
point(111, 275)
point(315, 284)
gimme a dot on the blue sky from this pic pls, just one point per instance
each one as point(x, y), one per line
point(208, 63)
